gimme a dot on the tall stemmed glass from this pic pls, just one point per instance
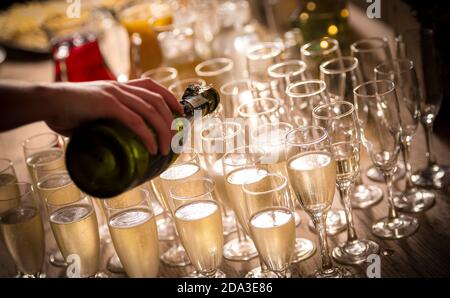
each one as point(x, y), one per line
point(271, 138)
point(341, 76)
point(339, 119)
point(370, 53)
point(381, 135)
point(240, 165)
point(419, 45)
point(318, 51)
point(22, 229)
point(219, 138)
point(235, 93)
point(199, 223)
point(312, 171)
point(216, 71)
point(271, 220)
point(402, 73)
point(165, 76)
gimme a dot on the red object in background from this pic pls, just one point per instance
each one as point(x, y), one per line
point(79, 59)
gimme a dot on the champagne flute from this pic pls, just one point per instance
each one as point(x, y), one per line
point(235, 93)
point(370, 53)
point(7, 172)
point(312, 171)
point(402, 73)
point(240, 165)
point(339, 119)
point(219, 138)
point(198, 220)
point(22, 229)
point(216, 71)
point(318, 51)
point(271, 220)
point(341, 76)
point(165, 76)
point(419, 45)
point(74, 225)
point(134, 233)
point(271, 138)
point(380, 134)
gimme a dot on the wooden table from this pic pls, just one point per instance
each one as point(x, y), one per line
point(425, 254)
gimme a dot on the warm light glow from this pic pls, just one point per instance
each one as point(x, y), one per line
point(324, 44)
point(311, 6)
point(304, 16)
point(344, 13)
point(333, 30)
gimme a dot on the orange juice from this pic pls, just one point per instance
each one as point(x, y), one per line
point(141, 19)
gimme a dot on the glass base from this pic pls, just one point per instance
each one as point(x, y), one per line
point(114, 264)
point(257, 273)
point(304, 249)
point(336, 222)
point(219, 274)
point(166, 229)
point(432, 176)
point(374, 173)
point(297, 218)
point(24, 275)
point(236, 250)
point(101, 275)
point(176, 256)
point(335, 272)
point(396, 228)
point(229, 223)
point(364, 196)
point(57, 259)
point(355, 252)
point(414, 200)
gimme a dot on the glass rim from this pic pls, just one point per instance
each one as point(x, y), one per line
point(272, 69)
point(222, 124)
point(335, 46)
point(276, 50)
point(186, 150)
point(306, 128)
point(234, 83)
point(26, 142)
point(53, 174)
point(322, 88)
point(53, 205)
point(146, 197)
point(172, 73)
point(279, 187)
point(20, 194)
point(373, 82)
point(273, 109)
point(8, 164)
point(208, 191)
point(396, 62)
point(278, 124)
point(196, 202)
point(238, 150)
point(353, 66)
point(382, 42)
point(328, 105)
point(227, 66)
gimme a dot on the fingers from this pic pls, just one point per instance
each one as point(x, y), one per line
point(147, 112)
point(150, 85)
point(154, 99)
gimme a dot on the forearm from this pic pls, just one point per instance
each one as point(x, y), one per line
point(23, 103)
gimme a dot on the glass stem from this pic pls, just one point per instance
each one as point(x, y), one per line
point(388, 178)
point(319, 221)
point(344, 191)
point(406, 150)
point(240, 233)
point(429, 139)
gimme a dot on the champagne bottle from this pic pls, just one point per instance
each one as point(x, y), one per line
point(105, 158)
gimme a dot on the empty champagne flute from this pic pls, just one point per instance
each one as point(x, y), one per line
point(419, 45)
point(271, 220)
point(216, 71)
point(402, 73)
point(341, 76)
point(381, 135)
point(370, 53)
point(22, 229)
point(318, 51)
point(339, 120)
point(312, 172)
point(235, 93)
point(219, 138)
point(199, 223)
point(165, 76)
point(271, 138)
point(134, 233)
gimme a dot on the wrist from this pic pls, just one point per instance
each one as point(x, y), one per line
point(41, 100)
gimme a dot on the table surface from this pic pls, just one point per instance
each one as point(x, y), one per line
point(425, 254)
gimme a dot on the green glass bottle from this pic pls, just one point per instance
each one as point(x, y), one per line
point(105, 158)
